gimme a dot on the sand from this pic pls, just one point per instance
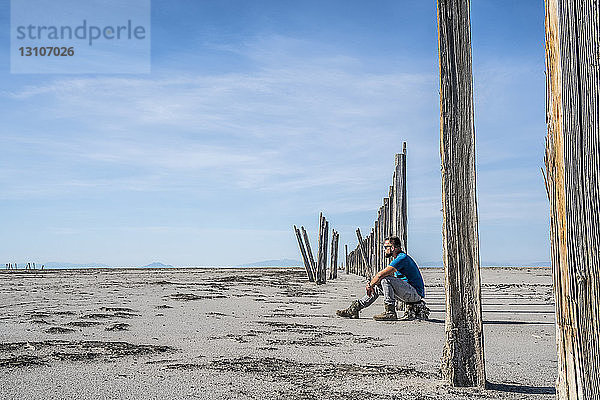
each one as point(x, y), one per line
point(256, 334)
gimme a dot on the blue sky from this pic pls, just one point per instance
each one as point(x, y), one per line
point(258, 115)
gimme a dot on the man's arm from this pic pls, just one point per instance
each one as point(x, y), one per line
point(387, 271)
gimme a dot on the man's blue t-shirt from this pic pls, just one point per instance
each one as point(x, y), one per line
point(407, 269)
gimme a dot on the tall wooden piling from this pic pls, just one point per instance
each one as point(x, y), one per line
point(400, 219)
point(573, 174)
point(321, 275)
point(320, 238)
point(463, 358)
point(325, 241)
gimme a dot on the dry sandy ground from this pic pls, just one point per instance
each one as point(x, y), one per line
point(255, 334)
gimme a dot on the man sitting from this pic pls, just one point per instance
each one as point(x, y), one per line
point(400, 280)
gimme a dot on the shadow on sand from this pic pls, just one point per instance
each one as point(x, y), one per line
point(497, 322)
point(524, 389)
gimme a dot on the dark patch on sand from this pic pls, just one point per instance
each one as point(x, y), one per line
point(278, 326)
point(123, 314)
point(373, 341)
point(21, 361)
point(38, 314)
point(159, 361)
point(192, 296)
point(297, 291)
point(302, 342)
point(118, 327)
point(279, 314)
point(232, 336)
point(118, 309)
point(116, 312)
point(64, 312)
point(97, 316)
point(215, 314)
point(59, 329)
point(184, 366)
point(84, 323)
point(296, 371)
point(35, 353)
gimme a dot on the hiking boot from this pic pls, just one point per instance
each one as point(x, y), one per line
point(388, 315)
point(422, 311)
point(350, 312)
point(416, 310)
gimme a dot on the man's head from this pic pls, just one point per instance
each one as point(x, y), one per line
point(392, 246)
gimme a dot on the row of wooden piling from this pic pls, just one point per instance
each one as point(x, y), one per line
point(29, 265)
point(317, 271)
point(368, 256)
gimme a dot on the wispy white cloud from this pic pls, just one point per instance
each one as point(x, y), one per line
point(302, 131)
point(281, 128)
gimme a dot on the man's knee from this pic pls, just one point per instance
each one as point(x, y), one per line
point(387, 280)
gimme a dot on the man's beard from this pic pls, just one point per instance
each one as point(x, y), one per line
point(389, 255)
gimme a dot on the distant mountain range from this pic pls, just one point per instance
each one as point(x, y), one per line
point(285, 262)
point(61, 265)
point(494, 264)
point(157, 264)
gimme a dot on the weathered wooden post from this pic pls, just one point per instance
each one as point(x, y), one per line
point(463, 359)
point(322, 256)
point(400, 219)
point(309, 251)
point(320, 250)
point(363, 254)
point(376, 243)
point(305, 259)
point(351, 262)
point(381, 236)
point(347, 262)
point(335, 259)
point(332, 254)
point(573, 175)
point(386, 225)
point(325, 241)
point(333, 263)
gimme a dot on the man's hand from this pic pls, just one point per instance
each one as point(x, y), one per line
point(369, 289)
